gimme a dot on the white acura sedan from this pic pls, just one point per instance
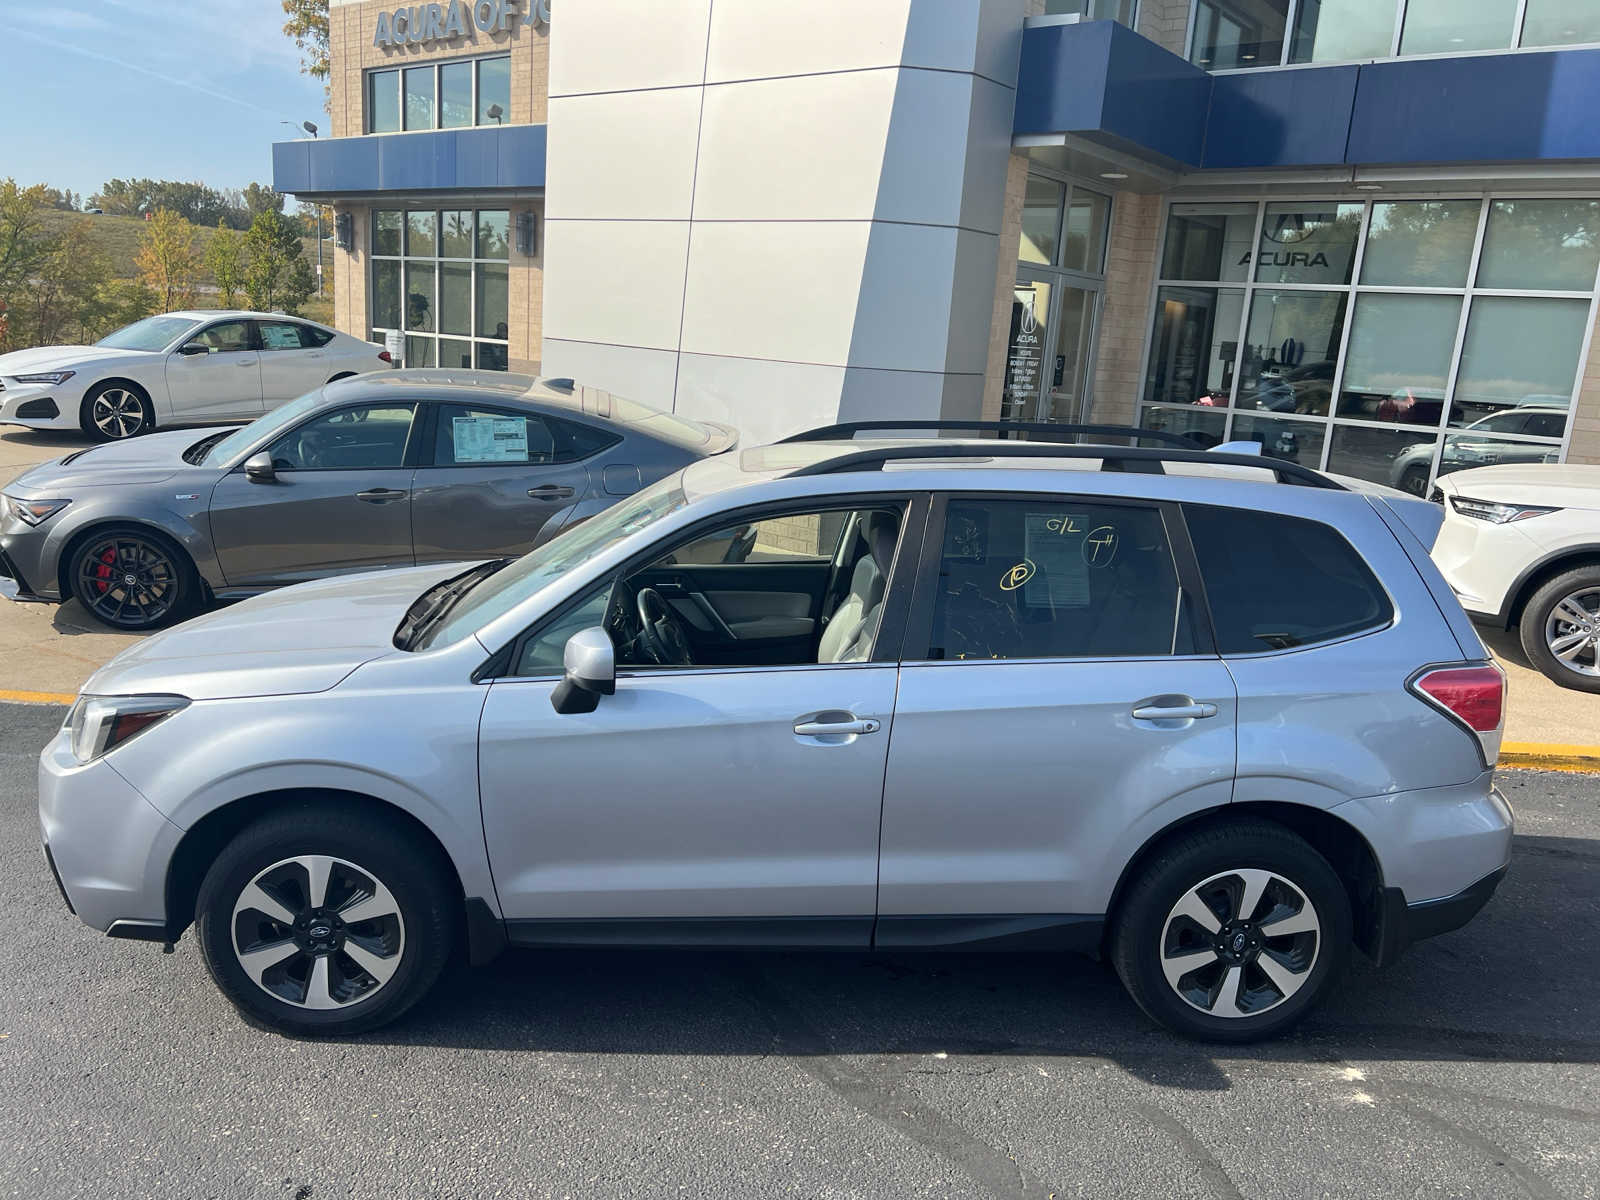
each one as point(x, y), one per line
point(182, 368)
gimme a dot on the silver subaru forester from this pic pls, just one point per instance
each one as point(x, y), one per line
point(1213, 715)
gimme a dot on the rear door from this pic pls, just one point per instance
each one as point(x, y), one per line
point(491, 479)
point(341, 500)
point(292, 364)
point(1059, 701)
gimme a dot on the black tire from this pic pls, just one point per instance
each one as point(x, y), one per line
point(403, 866)
point(1414, 480)
point(166, 586)
point(1146, 933)
point(1533, 629)
point(116, 410)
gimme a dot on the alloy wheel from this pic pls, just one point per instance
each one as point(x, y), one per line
point(128, 581)
point(1240, 943)
point(1572, 631)
point(318, 932)
point(118, 413)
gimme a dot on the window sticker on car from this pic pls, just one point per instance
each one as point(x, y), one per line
point(490, 439)
point(1057, 545)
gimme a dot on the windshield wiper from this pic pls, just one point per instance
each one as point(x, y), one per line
point(196, 454)
point(434, 604)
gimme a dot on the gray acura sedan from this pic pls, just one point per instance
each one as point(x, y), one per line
point(394, 469)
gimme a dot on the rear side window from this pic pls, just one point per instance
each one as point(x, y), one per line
point(478, 436)
point(313, 338)
point(1053, 579)
point(1277, 582)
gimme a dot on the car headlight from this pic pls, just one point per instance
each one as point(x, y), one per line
point(1497, 514)
point(34, 512)
point(99, 724)
point(46, 377)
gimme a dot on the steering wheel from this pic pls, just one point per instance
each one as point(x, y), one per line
point(662, 631)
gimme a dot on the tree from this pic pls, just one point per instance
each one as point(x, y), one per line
point(225, 260)
point(259, 198)
point(67, 297)
point(24, 245)
point(307, 24)
point(167, 260)
point(276, 274)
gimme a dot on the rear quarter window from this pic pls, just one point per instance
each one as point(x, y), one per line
point(1276, 582)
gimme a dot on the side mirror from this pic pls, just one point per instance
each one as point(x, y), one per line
point(591, 663)
point(193, 349)
point(258, 468)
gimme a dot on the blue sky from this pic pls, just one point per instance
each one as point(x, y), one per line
point(167, 89)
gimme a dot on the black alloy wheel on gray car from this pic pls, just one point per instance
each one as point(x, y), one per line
point(322, 920)
point(133, 579)
point(1560, 629)
point(1232, 932)
point(115, 411)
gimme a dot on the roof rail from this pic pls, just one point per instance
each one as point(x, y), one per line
point(1056, 430)
point(1113, 458)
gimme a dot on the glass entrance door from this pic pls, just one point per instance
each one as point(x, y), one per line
point(1051, 348)
point(1073, 347)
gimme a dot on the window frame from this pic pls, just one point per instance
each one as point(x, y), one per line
point(918, 637)
point(399, 67)
point(887, 647)
point(429, 457)
point(408, 458)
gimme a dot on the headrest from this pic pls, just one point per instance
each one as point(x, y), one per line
point(882, 531)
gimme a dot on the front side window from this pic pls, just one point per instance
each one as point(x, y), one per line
point(1056, 579)
point(366, 437)
point(1275, 582)
point(226, 337)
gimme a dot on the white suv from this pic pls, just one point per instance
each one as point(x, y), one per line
point(1521, 547)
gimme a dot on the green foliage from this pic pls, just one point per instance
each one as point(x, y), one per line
point(194, 202)
point(224, 258)
point(167, 261)
point(307, 24)
point(259, 198)
point(276, 274)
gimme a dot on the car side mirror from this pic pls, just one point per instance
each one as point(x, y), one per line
point(191, 349)
point(258, 468)
point(591, 664)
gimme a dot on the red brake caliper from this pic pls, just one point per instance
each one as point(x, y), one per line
point(102, 573)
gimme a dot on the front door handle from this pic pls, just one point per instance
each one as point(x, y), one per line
point(1174, 708)
point(380, 495)
point(811, 727)
point(550, 491)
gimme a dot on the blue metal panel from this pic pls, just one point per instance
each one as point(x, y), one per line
point(1489, 108)
point(1061, 80)
point(443, 160)
point(1280, 118)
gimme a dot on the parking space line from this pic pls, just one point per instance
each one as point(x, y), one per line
point(1550, 756)
point(37, 697)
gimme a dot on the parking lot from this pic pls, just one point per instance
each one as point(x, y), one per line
point(1470, 1068)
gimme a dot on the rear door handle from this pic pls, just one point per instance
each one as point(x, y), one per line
point(380, 495)
point(814, 728)
point(550, 491)
point(1191, 711)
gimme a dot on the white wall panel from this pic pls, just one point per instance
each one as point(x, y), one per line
point(764, 400)
point(617, 45)
point(758, 39)
point(923, 168)
point(644, 375)
point(904, 308)
point(646, 141)
point(618, 282)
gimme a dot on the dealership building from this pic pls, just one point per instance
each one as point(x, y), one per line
point(1364, 233)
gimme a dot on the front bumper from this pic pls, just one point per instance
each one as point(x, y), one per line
point(108, 845)
point(13, 584)
point(36, 408)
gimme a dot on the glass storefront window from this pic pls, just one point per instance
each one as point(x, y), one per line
point(1295, 441)
point(420, 352)
point(1202, 426)
point(1519, 349)
point(1291, 350)
point(1420, 243)
point(494, 91)
point(1399, 458)
point(1229, 35)
point(493, 299)
point(455, 298)
point(383, 102)
point(1308, 243)
point(1195, 345)
point(419, 97)
point(494, 234)
point(455, 95)
point(1456, 26)
point(386, 295)
point(454, 353)
point(455, 234)
point(422, 229)
point(1463, 451)
point(1541, 245)
point(1030, 309)
point(1209, 242)
point(419, 313)
point(1094, 10)
point(443, 293)
point(1561, 23)
point(386, 232)
point(1087, 217)
point(1338, 30)
point(1041, 219)
point(1398, 363)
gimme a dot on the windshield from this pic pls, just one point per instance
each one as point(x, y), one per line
point(507, 588)
point(243, 438)
point(152, 333)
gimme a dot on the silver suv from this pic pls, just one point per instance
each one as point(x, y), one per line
point(1213, 715)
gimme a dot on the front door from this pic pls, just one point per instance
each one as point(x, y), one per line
point(223, 383)
point(1058, 704)
point(702, 803)
point(341, 500)
point(1051, 349)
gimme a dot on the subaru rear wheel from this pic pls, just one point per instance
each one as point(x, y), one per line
point(1233, 932)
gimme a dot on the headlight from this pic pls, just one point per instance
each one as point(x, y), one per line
point(99, 724)
point(33, 512)
point(1497, 514)
point(46, 377)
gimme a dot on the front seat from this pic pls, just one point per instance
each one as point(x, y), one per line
point(848, 637)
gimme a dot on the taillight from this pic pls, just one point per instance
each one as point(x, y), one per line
point(386, 356)
point(1474, 696)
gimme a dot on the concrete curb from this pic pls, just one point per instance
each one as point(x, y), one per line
point(1549, 756)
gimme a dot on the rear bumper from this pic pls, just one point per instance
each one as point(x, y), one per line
point(1404, 923)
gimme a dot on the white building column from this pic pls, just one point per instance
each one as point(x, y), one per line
point(778, 214)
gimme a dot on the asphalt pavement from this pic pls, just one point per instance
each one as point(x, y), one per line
point(1470, 1068)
